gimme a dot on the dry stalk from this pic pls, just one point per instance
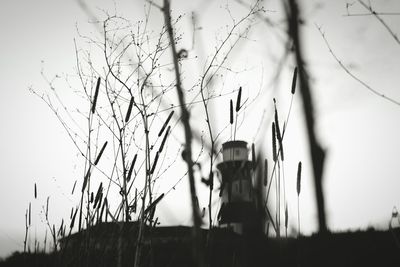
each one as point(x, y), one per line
point(196, 248)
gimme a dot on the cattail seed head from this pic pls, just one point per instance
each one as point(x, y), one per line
point(73, 188)
point(154, 204)
point(96, 95)
point(100, 153)
point(47, 208)
point(298, 178)
point(286, 216)
point(85, 180)
point(98, 195)
point(294, 81)
point(164, 139)
point(128, 178)
point(231, 112)
point(265, 172)
point(73, 218)
point(278, 134)
point(165, 123)
point(128, 113)
point(29, 214)
point(155, 162)
point(239, 96)
point(274, 155)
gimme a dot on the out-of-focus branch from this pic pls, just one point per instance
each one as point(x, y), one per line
point(339, 61)
point(196, 248)
point(317, 153)
point(376, 15)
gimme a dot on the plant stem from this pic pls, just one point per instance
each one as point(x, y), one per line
point(196, 247)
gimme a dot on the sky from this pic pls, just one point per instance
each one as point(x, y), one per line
point(358, 129)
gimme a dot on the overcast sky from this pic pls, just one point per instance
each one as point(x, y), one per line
point(359, 130)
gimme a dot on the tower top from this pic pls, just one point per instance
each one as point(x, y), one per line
point(234, 151)
point(234, 144)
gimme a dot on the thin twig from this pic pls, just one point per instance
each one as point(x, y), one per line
point(341, 64)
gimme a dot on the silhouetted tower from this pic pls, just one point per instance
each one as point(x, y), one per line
point(238, 208)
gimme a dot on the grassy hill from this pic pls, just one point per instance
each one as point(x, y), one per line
point(111, 244)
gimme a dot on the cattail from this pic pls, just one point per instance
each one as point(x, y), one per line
point(102, 207)
point(151, 215)
point(96, 95)
point(128, 178)
point(80, 217)
point(59, 232)
point(135, 203)
point(91, 197)
point(154, 203)
point(253, 156)
point(54, 230)
point(274, 155)
point(231, 112)
point(165, 123)
point(155, 162)
point(164, 139)
point(128, 113)
point(155, 222)
point(100, 200)
point(73, 219)
point(278, 133)
point(265, 172)
point(73, 188)
point(29, 214)
point(35, 191)
point(101, 153)
point(85, 180)
point(298, 178)
point(286, 218)
point(47, 208)
point(294, 81)
point(239, 96)
point(98, 194)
